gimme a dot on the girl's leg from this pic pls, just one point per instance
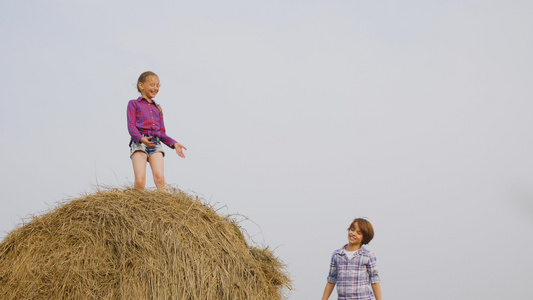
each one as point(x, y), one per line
point(156, 163)
point(139, 169)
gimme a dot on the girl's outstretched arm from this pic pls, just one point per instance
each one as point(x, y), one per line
point(179, 149)
point(328, 290)
point(377, 290)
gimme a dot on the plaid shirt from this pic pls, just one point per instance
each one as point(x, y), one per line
point(353, 277)
point(144, 118)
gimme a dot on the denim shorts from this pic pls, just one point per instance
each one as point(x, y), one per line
point(134, 147)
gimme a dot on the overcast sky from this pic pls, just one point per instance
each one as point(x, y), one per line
point(300, 115)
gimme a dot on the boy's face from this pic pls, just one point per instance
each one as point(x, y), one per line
point(355, 236)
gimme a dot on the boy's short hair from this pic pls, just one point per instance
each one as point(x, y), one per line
point(366, 229)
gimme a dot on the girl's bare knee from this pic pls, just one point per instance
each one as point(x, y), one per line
point(140, 183)
point(159, 180)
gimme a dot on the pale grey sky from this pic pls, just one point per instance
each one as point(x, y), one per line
point(300, 115)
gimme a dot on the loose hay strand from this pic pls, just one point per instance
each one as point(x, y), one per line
point(129, 244)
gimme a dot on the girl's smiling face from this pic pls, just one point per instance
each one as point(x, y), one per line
point(149, 88)
point(355, 236)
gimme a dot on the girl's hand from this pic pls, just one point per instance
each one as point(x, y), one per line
point(179, 149)
point(146, 140)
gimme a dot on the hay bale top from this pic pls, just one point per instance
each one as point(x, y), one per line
point(129, 244)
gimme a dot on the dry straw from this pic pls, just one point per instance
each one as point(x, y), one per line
point(129, 244)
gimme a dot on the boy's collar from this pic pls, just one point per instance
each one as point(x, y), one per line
point(359, 251)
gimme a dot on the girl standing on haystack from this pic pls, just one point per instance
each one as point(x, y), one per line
point(147, 130)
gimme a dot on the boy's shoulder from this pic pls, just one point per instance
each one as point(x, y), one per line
point(340, 250)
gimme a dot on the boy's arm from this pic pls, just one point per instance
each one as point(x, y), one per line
point(328, 290)
point(377, 290)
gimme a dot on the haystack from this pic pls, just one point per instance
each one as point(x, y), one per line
point(129, 244)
